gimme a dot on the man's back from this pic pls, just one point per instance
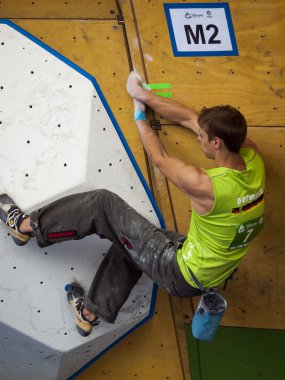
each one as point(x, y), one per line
point(218, 240)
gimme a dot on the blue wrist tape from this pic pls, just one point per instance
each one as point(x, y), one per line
point(140, 115)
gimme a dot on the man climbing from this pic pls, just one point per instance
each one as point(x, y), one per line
point(227, 204)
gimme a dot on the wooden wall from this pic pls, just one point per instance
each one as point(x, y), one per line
point(254, 83)
point(88, 33)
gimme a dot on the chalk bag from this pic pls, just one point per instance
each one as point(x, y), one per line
point(208, 315)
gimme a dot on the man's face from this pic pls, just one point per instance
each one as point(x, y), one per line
point(206, 145)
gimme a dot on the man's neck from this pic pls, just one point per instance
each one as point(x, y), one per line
point(230, 160)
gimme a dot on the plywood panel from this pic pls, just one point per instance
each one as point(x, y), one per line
point(158, 182)
point(252, 81)
point(148, 353)
point(255, 299)
point(58, 9)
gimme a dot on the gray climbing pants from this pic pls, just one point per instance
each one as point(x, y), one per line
point(138, 247)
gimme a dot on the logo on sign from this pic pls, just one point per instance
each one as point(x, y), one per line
point(192, 15)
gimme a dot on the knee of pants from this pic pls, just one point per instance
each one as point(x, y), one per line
point(103, 193)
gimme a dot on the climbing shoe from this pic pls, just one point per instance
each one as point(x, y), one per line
point(13, 216)
point(75, 297)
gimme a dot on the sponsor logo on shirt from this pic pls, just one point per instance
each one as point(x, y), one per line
point(248, 206)
point(249, 197)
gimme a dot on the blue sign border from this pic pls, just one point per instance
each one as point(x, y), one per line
point(177, 53)
point(132, 159)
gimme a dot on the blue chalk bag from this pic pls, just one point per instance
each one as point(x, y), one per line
point(208, 314)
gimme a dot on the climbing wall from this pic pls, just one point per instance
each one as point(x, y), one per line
point(63, 139)
point(253, 82)
point(90, 36)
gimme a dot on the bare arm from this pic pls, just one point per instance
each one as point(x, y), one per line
point(167, 108)
point(248, 143)
point(190, 179)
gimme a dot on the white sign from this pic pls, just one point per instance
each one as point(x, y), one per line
point(201, 29)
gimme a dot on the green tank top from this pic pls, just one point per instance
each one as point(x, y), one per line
point(218, 240)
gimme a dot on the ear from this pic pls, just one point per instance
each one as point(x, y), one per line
point(218, 143)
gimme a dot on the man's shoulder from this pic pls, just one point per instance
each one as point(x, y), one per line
point(218, 171)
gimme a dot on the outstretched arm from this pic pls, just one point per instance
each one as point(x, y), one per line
point(167, 108)
point(188, 178)
point(248, 143)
